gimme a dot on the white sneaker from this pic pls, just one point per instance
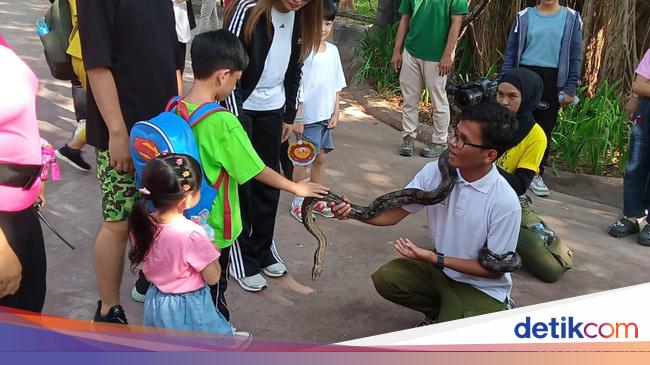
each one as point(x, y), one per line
point(322, 209)
point(296, 212)
point(538, 187)
point(275, 271)
point(253, 283)
point(242, 339)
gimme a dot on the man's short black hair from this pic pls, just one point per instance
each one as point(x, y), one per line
point(498, 124)
point(329, 10)
point(217, 50)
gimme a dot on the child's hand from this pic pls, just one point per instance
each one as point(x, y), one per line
point(333, 122)
point(308, 189)
point(341, 210)
point(298, 128)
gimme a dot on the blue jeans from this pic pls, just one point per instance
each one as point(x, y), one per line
point(636, 184)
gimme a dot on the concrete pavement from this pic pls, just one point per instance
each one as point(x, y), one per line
point(342, 304)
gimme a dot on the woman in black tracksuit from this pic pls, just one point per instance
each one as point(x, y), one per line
point(278, 35)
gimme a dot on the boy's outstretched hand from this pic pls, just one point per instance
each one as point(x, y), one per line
point(341, 210)
point(308, 189)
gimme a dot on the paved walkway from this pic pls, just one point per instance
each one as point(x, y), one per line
point(342, 305)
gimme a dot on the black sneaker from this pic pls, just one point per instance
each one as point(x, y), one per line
point(115, 315)
point(623, 227)
point(139, 291)
point(72, 157)
point(644, 236)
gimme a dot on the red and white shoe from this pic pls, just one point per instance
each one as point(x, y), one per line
point(322, 209)
point(296, 212)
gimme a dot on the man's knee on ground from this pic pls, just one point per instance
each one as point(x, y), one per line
point(383, 281)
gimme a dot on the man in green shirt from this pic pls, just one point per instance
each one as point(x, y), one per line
point(428, 31)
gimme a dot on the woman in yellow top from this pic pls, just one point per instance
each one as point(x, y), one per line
point(543, 253)
point(520, 90)
point(71, 151)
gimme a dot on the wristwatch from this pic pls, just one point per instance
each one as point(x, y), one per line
point(440, 261)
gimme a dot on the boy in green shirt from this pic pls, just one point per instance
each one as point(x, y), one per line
point(428, 30)
point(218, 59)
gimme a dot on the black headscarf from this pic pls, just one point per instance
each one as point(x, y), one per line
point(531, 86)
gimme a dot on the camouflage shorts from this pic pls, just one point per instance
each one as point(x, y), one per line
point(118, 190)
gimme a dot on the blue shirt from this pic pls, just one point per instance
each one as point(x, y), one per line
point(544, 39)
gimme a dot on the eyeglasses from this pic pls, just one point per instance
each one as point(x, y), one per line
point(459, 142)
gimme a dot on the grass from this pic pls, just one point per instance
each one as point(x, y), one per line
point(374, 53)
point(594, 133)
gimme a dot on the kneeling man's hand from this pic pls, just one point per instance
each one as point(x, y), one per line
point(409, 250)
point(341, 210)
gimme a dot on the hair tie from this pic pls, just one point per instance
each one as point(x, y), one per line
point(144, 191)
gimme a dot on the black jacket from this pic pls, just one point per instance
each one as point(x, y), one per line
point(257, 51)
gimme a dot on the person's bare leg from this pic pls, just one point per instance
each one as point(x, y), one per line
point(76, 143)
point(299, 173)
point(79, 137)
point(318, 168)
point(109, 262)
point(179, 82)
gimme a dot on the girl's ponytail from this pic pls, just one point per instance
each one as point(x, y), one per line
point(143, 231)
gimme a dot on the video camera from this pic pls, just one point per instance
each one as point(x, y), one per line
point(473, 92)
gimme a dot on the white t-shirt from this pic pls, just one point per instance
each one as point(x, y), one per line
point(485, 209)
point(269, 91)
point(322, 78)
point(183, 31)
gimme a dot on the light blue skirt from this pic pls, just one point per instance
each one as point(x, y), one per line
point(193, 311)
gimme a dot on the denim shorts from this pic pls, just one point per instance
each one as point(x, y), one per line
point(193, 311)
point(321, 136)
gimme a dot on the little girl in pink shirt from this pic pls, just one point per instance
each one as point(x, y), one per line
point(176, 255)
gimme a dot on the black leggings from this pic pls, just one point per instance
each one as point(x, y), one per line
point(23, 231)
point(547, 118)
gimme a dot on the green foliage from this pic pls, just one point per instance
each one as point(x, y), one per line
point(366, 7)
point(373, 54)
point(594, 133)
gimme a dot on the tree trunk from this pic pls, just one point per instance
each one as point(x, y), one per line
point(387, 13)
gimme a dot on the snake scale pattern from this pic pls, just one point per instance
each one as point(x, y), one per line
point(381, 204)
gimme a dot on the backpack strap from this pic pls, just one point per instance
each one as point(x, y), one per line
point(227, 216)
point(172, 103)
point(200, 113)
point(203, 111)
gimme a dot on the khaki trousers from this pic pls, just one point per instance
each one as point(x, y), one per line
point(413, 76)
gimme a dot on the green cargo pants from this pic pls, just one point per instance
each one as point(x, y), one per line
point(422, 287)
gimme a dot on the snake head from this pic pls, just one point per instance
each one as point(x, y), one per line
point(508, 262)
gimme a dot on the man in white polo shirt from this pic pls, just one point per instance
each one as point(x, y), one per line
point(448, 282)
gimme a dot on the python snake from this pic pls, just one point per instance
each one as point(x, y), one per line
point(507, 262)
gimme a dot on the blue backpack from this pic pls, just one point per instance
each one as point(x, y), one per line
point(171, 132)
